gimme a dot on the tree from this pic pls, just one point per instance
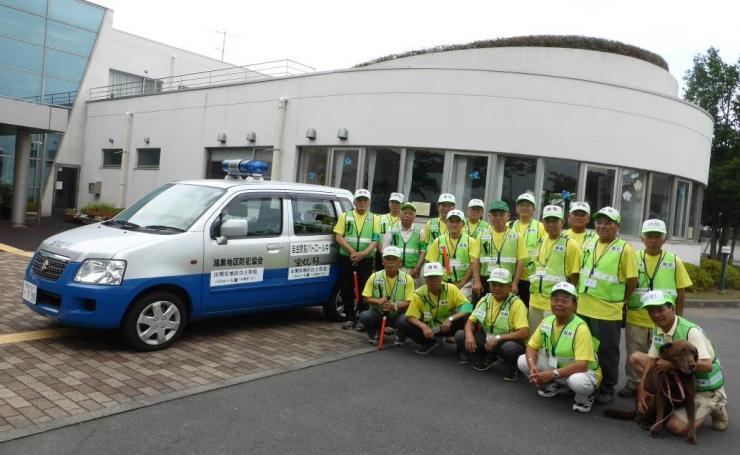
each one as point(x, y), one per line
point(714, 86)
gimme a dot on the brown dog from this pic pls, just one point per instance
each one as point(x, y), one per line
point(670, 390)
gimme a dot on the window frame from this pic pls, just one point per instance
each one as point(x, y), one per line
point(281, 196)
point(148, 149)
point(674, 199)
point(110, 166)
point(329, 199)
point(583, 177)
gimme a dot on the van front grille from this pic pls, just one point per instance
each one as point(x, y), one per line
point(48, 265)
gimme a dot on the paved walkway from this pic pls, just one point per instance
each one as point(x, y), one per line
point(31, 236)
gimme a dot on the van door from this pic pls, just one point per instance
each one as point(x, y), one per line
point(247, 270)
point(313, 270)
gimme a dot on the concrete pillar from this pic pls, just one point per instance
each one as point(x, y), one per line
point(20, 179)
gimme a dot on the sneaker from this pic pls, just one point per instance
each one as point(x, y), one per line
point(390, 330)
point(627, 392)
point(349, 325)
point(604, 397)
point(462, 358)
point(360, 327)
point(485, 363)
point(426, 349)
point(584, 407)
point(549, 391)
point(398, 341)
point(372, 339)
point(512, 376)
point(720, 418)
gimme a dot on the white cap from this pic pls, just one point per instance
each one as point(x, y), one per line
point(457, 213)
point(392, 251)
point(500, 276)
point(609, 212)
point(362, 192)
point(433, 269)
point(574, 206)
point(529, 197)
point(654, 225)
point(446, 197)
point(398, 197)
point(476, 203)
point(552, 211)
point(565, 287)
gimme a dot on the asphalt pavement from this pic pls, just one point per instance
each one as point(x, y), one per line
point(387, 402)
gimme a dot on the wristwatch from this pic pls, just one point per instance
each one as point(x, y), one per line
point(556, 373)
point(450, 319)
point(498, 338)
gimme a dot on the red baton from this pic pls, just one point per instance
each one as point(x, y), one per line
point(446, 261)
point(357, 289)
point(382, 333)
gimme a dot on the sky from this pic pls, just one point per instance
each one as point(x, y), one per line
point(332, 34)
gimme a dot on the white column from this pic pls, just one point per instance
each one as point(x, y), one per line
point(20, 179)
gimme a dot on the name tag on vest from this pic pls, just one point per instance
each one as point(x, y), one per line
point(590, 282)
point(480, 314)
point(658, 339)
point(559, 248)
point(668, 265)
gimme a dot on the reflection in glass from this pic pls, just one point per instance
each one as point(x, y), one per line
point(18, 24)
point(681, 210)
point(423, 179)
point(61, 87)
point(632, 198)
point(697, 193)
point(18, 54)
point(312, 165)
point(599, 187)
point(64, 65)
point(72, 39)
point(148, 158)
point(469, 178)
point(660, 198)
point(344, 168)
point(34, 6)
point(560, 180)
point(19, 84)
point(112, 157)
point(217, 157)
point(519, 177)
point(77, 13)
point(381, 176)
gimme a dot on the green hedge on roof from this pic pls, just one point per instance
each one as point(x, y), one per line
point(566, 41)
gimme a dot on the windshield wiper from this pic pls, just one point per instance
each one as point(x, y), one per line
point(123, 224)
point(159, 227)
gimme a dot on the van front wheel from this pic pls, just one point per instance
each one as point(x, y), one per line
point(154, 321)
point(334, 308)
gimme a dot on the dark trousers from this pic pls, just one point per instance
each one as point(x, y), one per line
point(415, 333)
point(524, 292)
point(372, 320)
point(364, 269)
point(507, 350)
point(609, 334)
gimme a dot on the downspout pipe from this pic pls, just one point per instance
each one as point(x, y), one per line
point(277, 154)
point(123, 183)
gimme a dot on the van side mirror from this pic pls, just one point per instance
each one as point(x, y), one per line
point(235, 227)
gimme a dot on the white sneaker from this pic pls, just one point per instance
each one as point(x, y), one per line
point(550, 390)
point(584, 407)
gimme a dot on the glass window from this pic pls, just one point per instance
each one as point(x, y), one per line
point(62, 36)
point(518, 178)
point(52, 145)
point(18, 54)
point(147, 158)
point(632, 201)
point(34, 6)
point(264, 154)
point(312, 165)
point(56, 86)
point(313, 216)
point(19, 84)
point(681, 211)
point(422, 182)
point(468, 179)
point(697, 193)
point(77, 13)
point(599, 187)
point(18, 24)
point(660, 197)
point(560, 177)
point(112, 157)
point(381, 176)
point(64, 65)
point(263, 214)
point(217, 156)
point(344, 167)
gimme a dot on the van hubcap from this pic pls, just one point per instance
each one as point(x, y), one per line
point(158, 323)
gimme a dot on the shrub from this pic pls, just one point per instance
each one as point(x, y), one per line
point(701, 278)
point(99, 207)
point(713, 267)
point(733, 277)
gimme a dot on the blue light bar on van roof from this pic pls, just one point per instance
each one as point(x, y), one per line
point(238, 168)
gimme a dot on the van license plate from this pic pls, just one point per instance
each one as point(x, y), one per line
point(29, 292)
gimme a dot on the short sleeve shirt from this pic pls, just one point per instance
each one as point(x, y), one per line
point(640, 316)
point(572, 265)
point(518, 318)
point(596, 308)
point(390, 284)
point(455, 302)
point(360, 220)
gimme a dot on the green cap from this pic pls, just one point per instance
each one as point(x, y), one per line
point(408, 206)
point(501, 206)
point(609, 212)
point(655, 298)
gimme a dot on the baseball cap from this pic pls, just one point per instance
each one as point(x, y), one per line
point(655, 298)
point(565, 287)
point(398, 197)
point(362, 192)
point(457, 213)
point(476, 203)
point(392, 251)
point(501, 206)
point(609, 212)
point(583, 206)
point(529, 197)
point(552, 211)
point(654, 225)
point(446, 197)
point(433, 269)
point(500, 276)
point(408, 206)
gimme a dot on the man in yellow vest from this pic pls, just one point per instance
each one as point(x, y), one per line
point(357, 233)
point(657, 270)
point(578, 219)
point(387, 292)
point(607, 280)
point(503, 319)
point(475, 224)
point(409, 240)
point(459, 254)
point(710, 398)
point(438, 226)
point(530, 230)
point(389, 222)
point(437, 310)
point(501, 246)
point(558, 259)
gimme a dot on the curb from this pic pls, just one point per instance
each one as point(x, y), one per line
point(151, 401)
point(15, 251)
point(712, 304)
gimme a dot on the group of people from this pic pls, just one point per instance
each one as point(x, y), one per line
point(539, 299)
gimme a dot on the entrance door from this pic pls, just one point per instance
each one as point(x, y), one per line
point(65, 187)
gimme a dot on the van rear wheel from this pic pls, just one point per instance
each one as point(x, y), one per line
point(334, 307)
point(154, 321)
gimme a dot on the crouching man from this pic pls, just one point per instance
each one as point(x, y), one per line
point(560, 355)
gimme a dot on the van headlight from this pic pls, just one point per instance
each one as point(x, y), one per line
point(101, 271)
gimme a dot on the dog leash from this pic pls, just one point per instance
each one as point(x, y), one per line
point(669, 395)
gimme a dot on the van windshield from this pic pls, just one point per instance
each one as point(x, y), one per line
point(169, 209)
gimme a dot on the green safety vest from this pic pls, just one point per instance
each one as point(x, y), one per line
point(434, 314)
point(565, 348)
point(387, 226)
point(479, 229)
point(501, 323)
point(433, 232)
point(411, 248)
point(504, 258)
point(705, 382)
point(589, 236)
point(397, 294)
point(460, 262)
point(661, 279)
point(605, 272)
point(530, 241)
point(358, 240)
point(553, 270)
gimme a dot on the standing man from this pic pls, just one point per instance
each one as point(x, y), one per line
point(530, 230)
point(438, 226)
point(578, 219)
point(710, 399)
point(605, 285)
point(437, 310)
point(558, 259)
point(459, 254)
point(389, 222)
point(357, 233)
point(501, 246)
point(408, 239)
point(657, 270)
point(475, 224)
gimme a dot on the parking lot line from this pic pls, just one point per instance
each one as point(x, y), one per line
point(16, 251)
point(34, 335)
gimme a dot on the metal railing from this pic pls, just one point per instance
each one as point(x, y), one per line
point(224, 76)
point(61, 99)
